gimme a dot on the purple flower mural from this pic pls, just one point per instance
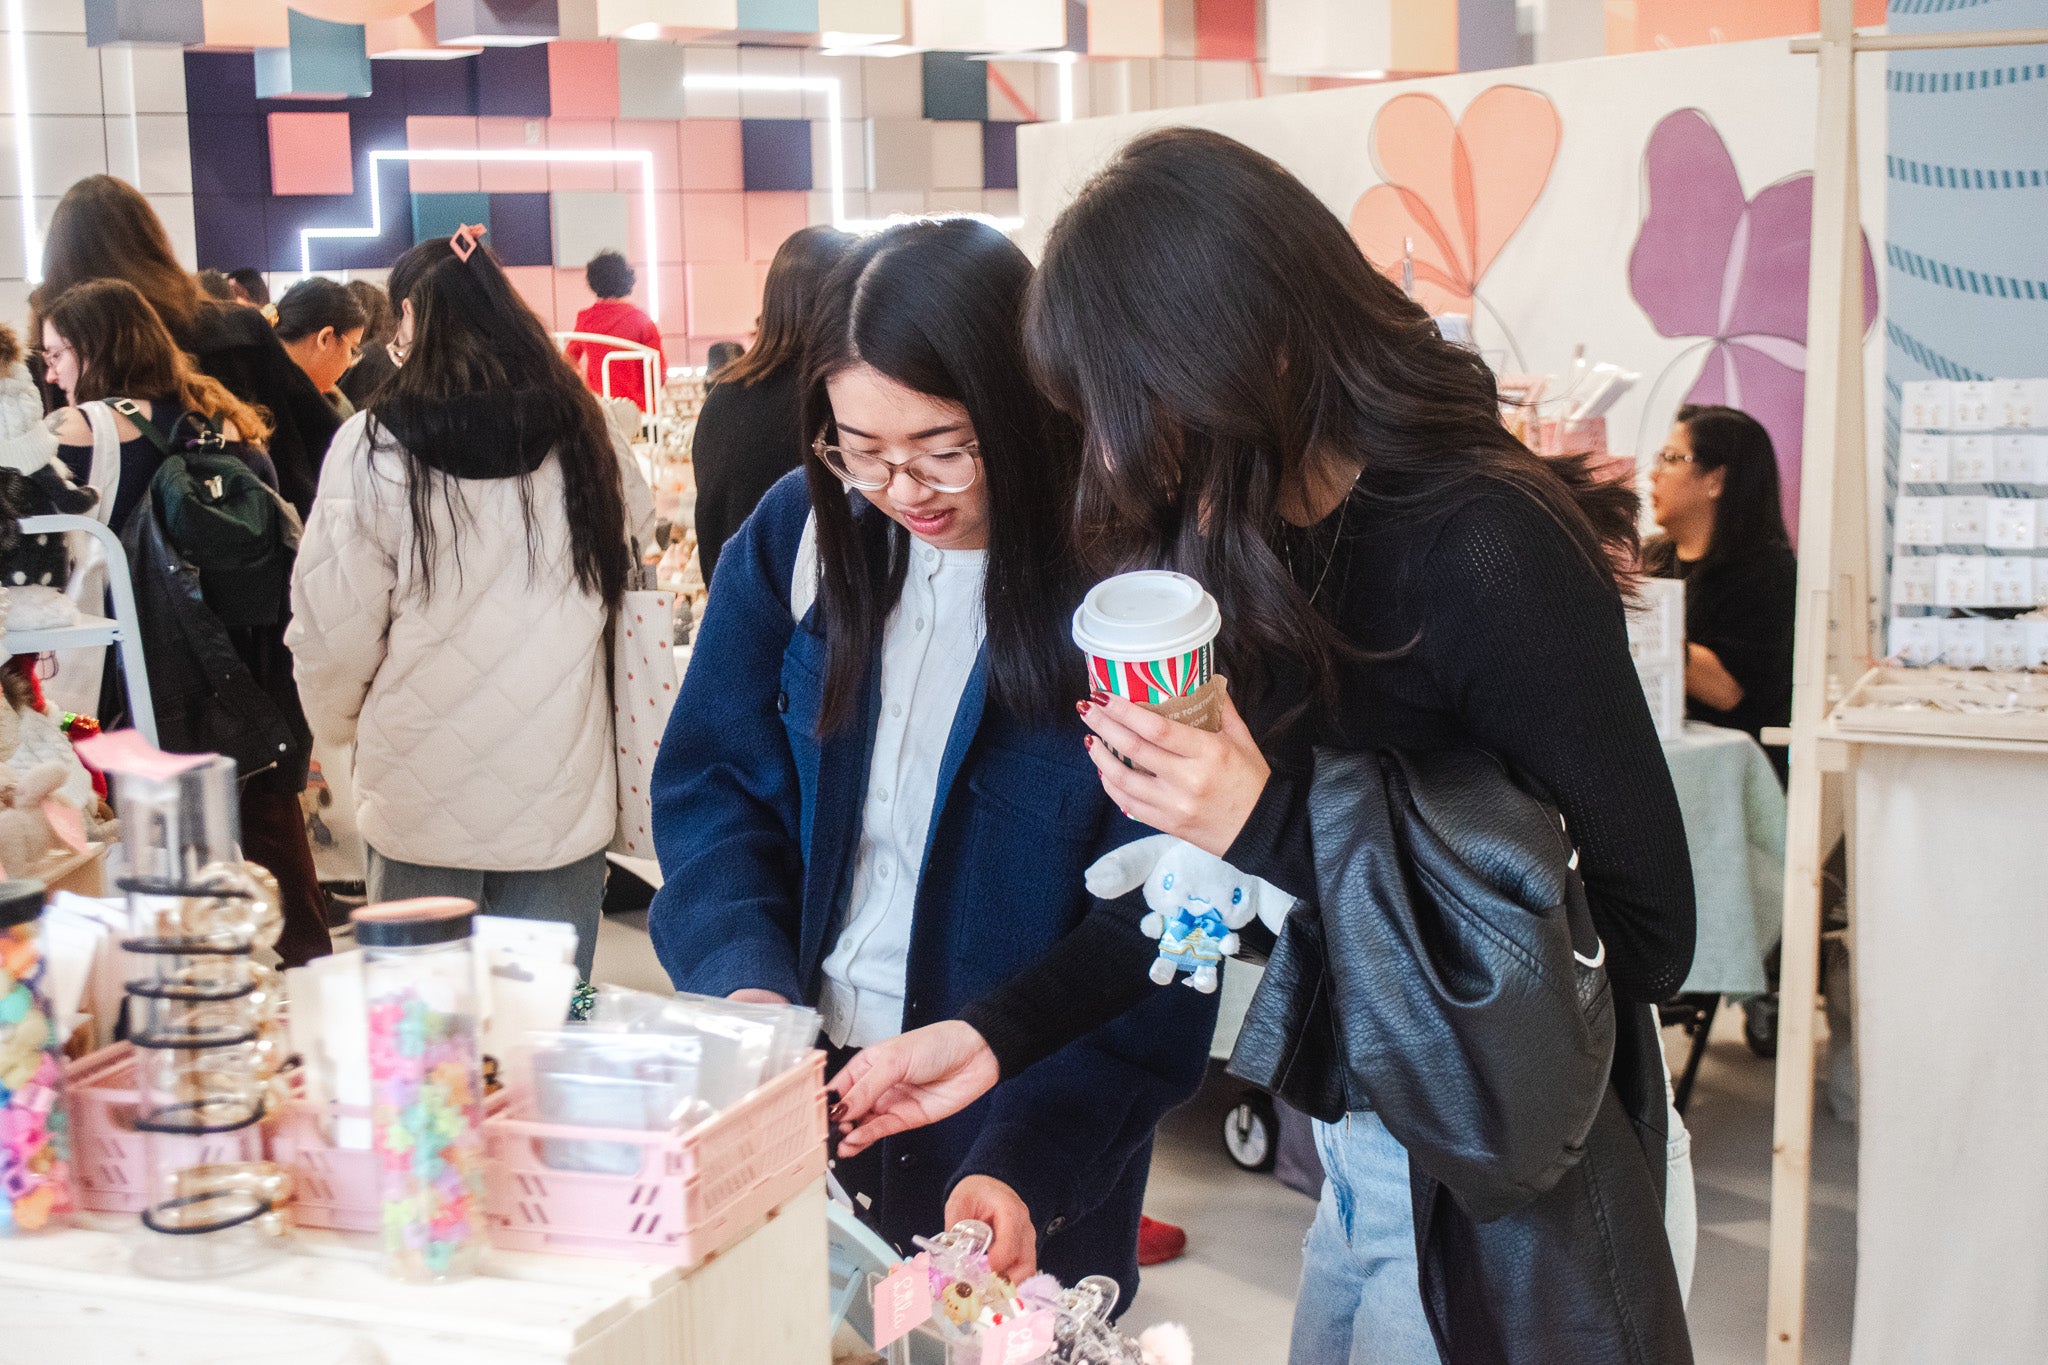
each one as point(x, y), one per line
point(1710, 263)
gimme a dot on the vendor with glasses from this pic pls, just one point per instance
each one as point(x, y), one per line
point(872, 796)
point(321, 322)
point(1716, 498)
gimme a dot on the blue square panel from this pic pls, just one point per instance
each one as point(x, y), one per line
point(512, 82)
point(228, 230)
point(174, 22)
point(1077, 26)
point(323, 59)
point(999, 156)
point(521, 230)
point(439, 215)
point(779, 16)
point(220, 83)
point(955, 87)
point(775, 153)
point(230, 154)
point(445, 88)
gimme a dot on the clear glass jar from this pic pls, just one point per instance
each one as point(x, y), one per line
point(426, 1084)
point(35, 1145)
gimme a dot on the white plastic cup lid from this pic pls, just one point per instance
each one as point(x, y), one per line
point(1151, 614)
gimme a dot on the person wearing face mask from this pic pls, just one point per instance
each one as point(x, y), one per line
point(872, 795)
point(1715, 496)
point(321, 325)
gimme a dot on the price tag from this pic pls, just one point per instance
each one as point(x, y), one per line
point(67, 823)
point(1018, 1340)
point(903, 1299)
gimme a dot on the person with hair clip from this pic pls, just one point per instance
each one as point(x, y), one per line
point(750, 432)
point(104, 229)
point(872, 795)
point(1395, 573)
point(321, 326)
point(455, 600)
point(105, 346)
point(1715, 495)
point(616, 315)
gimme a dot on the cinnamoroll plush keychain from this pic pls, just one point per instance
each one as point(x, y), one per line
point(1198, 903)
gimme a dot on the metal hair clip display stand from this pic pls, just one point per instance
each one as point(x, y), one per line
point(203, 1019)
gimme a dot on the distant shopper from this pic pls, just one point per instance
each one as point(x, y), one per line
point(104, 229)
point(455, 597)
point(361, 383)
point(1716, 498)
point(103, 342)
point(251, 289)
point(720, 358)
point(217, 287)
point(751, 430)
point(611, 279)
point(321, 325)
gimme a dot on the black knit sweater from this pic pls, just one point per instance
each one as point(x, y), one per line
point(1518, 647)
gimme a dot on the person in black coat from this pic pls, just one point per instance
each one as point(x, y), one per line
point(751, 433)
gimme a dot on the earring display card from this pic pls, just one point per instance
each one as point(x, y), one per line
point(1918, 521)
point(1913, 579)
point(2014, 459)
point(1962, 520)
point(2007, 644)
point(1963, 641)
point(2012, 524)
point(1970, 459)
point(1916, 640)
point(1923, 457)
point(2008, 582)
point(1961, 581)
point(1974, 405)
point(1926, 406)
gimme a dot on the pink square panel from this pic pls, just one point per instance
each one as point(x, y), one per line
point(675, 307)
point(309, 154)
point(572, 296)
point(583, 80)
point(582, 135)
point(714, 226)
point(657, 139)
point(668, 229)
point(512, 135)
point(771, 217)
point(536, 285)
point(709, 154)
point(724, 299)
point(425, 133)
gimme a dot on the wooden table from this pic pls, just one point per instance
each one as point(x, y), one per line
point(72, 1297)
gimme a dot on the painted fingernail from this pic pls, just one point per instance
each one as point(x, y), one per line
point(1089, 742)
point(1082, 707)
point(838, 1112)
point(1099, 697)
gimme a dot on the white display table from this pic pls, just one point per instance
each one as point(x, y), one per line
point(72, 1297)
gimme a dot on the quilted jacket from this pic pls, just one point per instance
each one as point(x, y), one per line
point(479, 714)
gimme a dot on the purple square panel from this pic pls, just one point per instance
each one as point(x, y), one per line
point(775, 153)
point(999, 156)
point(512, 82)
point(442, 87)
point(220, 83)
point(522, 230)
point(284, 215)
point(230, 154)
point(229, 230)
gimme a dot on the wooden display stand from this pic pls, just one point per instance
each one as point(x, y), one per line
point(73, 1295)
point(1832, 655)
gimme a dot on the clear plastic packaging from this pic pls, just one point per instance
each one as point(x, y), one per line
point(603, 1077)
point(35, 1145)
point(426, 1078)
point(744, 1044)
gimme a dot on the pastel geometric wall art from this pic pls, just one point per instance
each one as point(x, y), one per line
point(583, 79)
point(356, 11)
point(587, 222)
point(955, 87)
point(440, 215)
point(651, 80)
point(323, 61)
point(776, 153)
point(1454, 191)
point(496, 23)
point(771, 20)
point(440, 89)
point(857, 22)
point(1227, 30)
point(240, 25)
point(522, 229)
point(999, 156)
point(513, 82)
point(711, 155)
point(411, 37)
point(309, 154)
point(1732, 270)
point(177, 23)
point(1126, 28)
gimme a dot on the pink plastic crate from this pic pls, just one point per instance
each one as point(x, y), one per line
point(107, 1165)
point(695, 1193)
point(332, 1187)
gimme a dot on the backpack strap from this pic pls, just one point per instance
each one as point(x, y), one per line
point(128, 408)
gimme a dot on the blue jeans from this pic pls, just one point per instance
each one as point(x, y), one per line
point(1360, 1300)
point(573, 894)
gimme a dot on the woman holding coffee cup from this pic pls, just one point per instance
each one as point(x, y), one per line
point(1393, 571)
point(873, 796)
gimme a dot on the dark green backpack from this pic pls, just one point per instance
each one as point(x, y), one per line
point(223, 520)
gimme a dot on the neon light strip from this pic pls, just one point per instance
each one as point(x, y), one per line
point(24, 150)
point(829, 86)
point(645, 160)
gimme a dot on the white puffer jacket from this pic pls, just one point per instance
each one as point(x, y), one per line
point(480, 718)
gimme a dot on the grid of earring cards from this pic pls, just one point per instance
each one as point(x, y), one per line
point(1970, 526)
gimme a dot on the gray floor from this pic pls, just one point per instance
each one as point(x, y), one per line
point(1235, 1287)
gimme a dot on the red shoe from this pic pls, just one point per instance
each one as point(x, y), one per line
point(1159, 1242)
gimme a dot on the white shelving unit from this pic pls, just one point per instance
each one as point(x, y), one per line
point(123, 632)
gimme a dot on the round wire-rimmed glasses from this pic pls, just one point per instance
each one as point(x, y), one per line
point(943, 471)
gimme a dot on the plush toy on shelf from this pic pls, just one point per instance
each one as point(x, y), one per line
point(33, 482)
point(1198, 903)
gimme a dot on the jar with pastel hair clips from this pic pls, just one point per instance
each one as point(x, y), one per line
point(426, 1084)
point(35, 1147)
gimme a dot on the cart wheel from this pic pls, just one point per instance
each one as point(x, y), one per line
point(1760, 1025)
point(1251, 1132)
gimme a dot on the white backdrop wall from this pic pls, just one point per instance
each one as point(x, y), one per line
point(1562, 279)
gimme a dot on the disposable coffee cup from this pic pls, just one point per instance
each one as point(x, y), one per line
point(1150, 637)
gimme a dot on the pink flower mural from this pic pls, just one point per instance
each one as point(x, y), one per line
point(1710, 263)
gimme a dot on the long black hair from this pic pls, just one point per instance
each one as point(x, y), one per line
point(484, 394)
point(937, 307)
point(1227, 351)
point(788, 297)
point(1749, 516)
point(316, 302)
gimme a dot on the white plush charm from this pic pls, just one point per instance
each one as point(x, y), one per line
point(1167, 1343)
point(1198, 902)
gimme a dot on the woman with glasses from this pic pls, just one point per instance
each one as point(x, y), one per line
point(872, 795)
point(1715, 496)
point(321, 325)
